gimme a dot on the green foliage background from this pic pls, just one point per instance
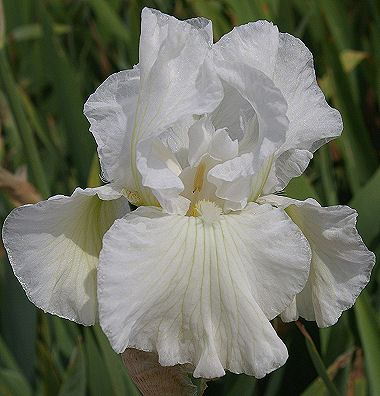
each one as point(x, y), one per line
point(56, 52)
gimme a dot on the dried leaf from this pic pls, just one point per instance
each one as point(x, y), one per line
point(18, 189)
point(357, 377)
point(155, 380)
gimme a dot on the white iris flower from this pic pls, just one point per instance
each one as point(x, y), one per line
point(200, 137)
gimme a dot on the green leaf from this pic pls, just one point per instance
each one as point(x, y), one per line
point(33, 31)
point(36, 124)
point(274, 384)
point(338, 23)
point(337, 338)
point(301, 188)
point(357, 380)
point(68, 98)
point(317, 361)
point(66, 343)
point(318, 386)
point(19, 324)
point(2, 26)
point(349, 59)
point(365, 202)
point(93, 178)
point(212, 9)
point(6, 358)
point(369, 332)
point(120, 380)
point(242, 11)
point(49, 372)
point(109, 19)
point(12, 383)
point(98, 378)
point(360, 387)
point(327, 176)
point(243, 386)
point(74, 381)
point(23, 128)
point(360, 158)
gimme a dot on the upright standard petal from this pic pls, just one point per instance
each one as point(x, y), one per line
point(53, 247)
point(341, 263)
point(177, 76)
point(254, 44)
point(312, 122)
point(242, 178)
point(173, 80)
point(231, 110)
point(289, 64)
point(202, 291)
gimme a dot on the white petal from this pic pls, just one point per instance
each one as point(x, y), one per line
point(289, 64)
point(341, 263)
point(177, 80)
point(266, 234)
point(255, 44)
point(53, 247)
point(235, 179)
point(110, 111)
point(200, 134)
point(108, 191)
point(173, 80)
point(291, 313)
point(197, 187)
point(312, 121)
point(222, 147)
point(176, 139)
point(230, 112)
point(265, 98)
point(289, 164)
point(197, 292)
point(160, 170)
point(203, 139)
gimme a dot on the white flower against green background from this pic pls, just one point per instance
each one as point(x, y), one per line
point(200, 137)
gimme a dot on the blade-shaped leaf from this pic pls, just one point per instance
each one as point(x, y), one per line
point(365, 202)
point(74, 381)
point(12, 383)
point(317, 361)
point(121, 382)
point(98, 378)
point(369, 331)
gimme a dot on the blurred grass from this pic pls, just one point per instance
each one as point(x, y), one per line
point(56, 52)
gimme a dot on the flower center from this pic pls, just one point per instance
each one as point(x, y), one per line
point(208, 211)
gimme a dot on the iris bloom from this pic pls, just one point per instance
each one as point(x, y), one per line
point(200, 137)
